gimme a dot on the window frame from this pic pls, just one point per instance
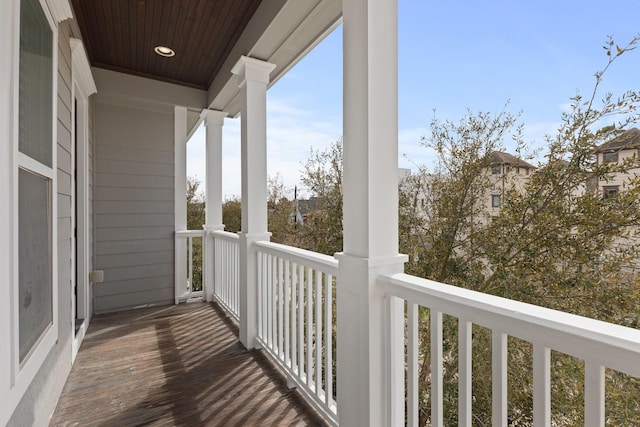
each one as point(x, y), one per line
point(610, 157)
point(20, 374)
point(82, 87)
point(609, 191)
point(495, 197)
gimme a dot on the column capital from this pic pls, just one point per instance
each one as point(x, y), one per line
point(248, 68)
point(213, 117)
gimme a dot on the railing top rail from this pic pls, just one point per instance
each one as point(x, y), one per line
point(190, 233)
point(611, 345)
point(325, 263)
point(225, 235)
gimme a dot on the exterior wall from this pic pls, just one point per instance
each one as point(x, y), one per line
point(91, 181)
point(133, 205)
point(619, 179)
point(41, 397)
point(510, 178)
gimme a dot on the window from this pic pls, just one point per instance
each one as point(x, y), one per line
point(495, 201)
point(610, 191)
point(35, 177)
point(496, 170)
point(610, 157)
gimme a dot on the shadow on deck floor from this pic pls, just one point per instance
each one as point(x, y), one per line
point(174, 366)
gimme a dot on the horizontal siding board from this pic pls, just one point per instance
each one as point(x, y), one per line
point(64, 182)
point(129, 194)
point(135, 220)
point(135, 127)
point(134, 233)
point(64, 93)
point(133, 167)
point(64, 206)
point(133, 246)
point(136, 272)
point(64, 158)
point(143, 258)
point(115, 152)
point(64, 115)
point(133, 300)
point(64, 136)
point(132, 207)
point(64, 229)
point(132, 286)
point(139, 181)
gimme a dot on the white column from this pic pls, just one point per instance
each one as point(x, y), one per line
point(180, 198)
point(253, 78)
point(366, 331)
point(213, 121)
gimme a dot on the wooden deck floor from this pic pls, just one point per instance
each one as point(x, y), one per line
point(174, 366)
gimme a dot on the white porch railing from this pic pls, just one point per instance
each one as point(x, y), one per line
point(226, 285)
point(296, 319)
point(190, 256)
point(598, 343)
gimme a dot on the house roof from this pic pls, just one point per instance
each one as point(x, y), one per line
point(502, 158)
point(628, 139)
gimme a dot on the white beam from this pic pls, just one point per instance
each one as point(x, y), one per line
point(253, 77)
point(213, 121)
point(180, 197)
point(365, 371)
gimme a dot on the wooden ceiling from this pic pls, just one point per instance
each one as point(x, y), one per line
point(120, 35)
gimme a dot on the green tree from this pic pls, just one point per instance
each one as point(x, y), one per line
point(281, 212)
point(232, 215)
point(195, 221)
point(322, 175)
point(554, 243)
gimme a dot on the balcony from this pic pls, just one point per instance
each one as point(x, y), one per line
point(184, 364)
point(359, 341)
point(153, 369)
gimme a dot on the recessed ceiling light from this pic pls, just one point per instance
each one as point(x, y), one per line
point(164, 51)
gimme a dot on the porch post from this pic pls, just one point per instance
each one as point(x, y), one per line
point(367, 323)
point(180, 198)
point(213, 121)
point(253, 78)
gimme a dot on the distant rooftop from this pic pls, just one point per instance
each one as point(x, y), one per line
point(502, 158)
point(628, 139)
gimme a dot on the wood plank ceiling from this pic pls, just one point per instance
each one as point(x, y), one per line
point(120, 35)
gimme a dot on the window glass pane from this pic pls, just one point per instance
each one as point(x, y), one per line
point(34, 254)
point(36, 83)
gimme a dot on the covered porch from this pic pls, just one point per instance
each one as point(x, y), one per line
point(342, 331)
point(153, 370)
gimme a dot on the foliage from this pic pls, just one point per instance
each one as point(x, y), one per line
point(322, 175)
point(195, 205)
point(232, 215)
point(195, 221)
point(555, 243)
point(281, 212)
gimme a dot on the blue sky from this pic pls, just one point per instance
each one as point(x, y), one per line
point(453, 56)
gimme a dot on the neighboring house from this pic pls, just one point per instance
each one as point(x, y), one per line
point(506, 173)
point(624, 148)
point(94, 123)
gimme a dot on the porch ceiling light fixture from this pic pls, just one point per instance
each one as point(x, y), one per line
point(165, 51)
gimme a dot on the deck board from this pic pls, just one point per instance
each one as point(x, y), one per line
point(174, 366)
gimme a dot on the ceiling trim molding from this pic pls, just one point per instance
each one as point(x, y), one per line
point(60, 9)
point(80, 63)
